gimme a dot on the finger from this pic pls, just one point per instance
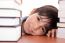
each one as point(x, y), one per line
point(53, 33)
point(49, 33)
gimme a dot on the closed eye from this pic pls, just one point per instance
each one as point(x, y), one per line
point(44, 30)
point(38, 18)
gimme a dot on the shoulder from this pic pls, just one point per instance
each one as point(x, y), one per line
point(24, 19)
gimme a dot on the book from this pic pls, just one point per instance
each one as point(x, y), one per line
point(61, 24)
point(61, 12)
point(61, 33)
point(8, 12)
point(10, 33)
point(9, 4)
point(62, 19)
point(9, 22)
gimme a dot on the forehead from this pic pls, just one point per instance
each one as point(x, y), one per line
point(40, 16)
point(44, 18)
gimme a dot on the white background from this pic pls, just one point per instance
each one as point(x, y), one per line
point(28, 5)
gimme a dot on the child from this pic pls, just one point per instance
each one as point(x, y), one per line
point(42, 21)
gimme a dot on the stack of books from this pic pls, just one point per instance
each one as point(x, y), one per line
point(10, 14)
point(61, 14)
point(61, 24)
point(10, 24)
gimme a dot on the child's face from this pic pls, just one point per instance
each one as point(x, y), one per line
point(36, 24)
point(45, 21)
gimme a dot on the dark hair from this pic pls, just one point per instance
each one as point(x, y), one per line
point(47, 10)
point(51, 12)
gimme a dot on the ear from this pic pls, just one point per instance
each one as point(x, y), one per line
point(33, 11)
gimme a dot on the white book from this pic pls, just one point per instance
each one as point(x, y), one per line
point(10, 33)
point(8, 12)
point(9, 4)
point(9, 21)
point(61, 33)
point(61, 12)
point(61, 24)
point(62, 19)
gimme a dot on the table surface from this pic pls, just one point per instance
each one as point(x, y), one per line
point(38, 39)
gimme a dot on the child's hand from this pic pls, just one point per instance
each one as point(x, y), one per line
point(52, 33)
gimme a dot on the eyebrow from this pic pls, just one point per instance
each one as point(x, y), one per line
point(45, 18)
